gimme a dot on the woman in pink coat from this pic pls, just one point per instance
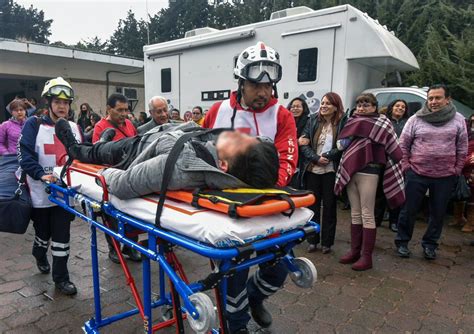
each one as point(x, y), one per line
point(10, 130)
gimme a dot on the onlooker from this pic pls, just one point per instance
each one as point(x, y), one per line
point(397, 112)
point(321, 159)
point(197, 115)
point(468, 172)
point(434, 145)
point(158, 109)
point(188, 116)
point(85, 112)
point(142, 118)
point(175, 117)
point(89, 131)
point(10, 130)
point(370, 149)
point(39, 153)
point(117, 110)
point(133, 119)
point(30, 108)
point(299, 109)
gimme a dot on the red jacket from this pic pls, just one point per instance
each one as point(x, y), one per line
point(124, 131)
point(273, 121)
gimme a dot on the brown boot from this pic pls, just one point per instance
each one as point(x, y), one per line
point(469, 226)
point(356, 242)
point(368, 243)
point(458, 214)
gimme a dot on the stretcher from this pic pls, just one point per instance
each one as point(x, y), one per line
point(230, 244)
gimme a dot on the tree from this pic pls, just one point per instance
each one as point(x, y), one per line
point(18, 22)
point(92, 44)
point(129, 37)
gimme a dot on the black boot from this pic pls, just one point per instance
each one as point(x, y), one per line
point(64, 133)
point(107, 135)
point(43, 265)
point(66, 288)
point(132, 254)
point(261, 316)
point(113, 256)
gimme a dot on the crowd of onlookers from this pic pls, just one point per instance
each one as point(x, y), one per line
point(384, 158)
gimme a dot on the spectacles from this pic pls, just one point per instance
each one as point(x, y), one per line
point(363, 105)
point(296, 107)
point(57, 90)
point(196, 113)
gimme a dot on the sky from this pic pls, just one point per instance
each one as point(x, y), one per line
point(76, 20)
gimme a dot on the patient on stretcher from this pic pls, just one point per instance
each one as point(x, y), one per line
point(229, 159)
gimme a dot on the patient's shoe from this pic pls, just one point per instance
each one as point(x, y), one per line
point(64, 133)
point(107, 135)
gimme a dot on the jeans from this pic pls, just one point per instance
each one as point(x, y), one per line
point(440, 191)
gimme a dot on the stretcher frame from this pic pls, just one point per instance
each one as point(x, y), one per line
point(224, 262)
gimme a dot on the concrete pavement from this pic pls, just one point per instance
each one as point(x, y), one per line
point(397, 296)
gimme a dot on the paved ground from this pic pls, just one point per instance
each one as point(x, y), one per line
point(397, 296)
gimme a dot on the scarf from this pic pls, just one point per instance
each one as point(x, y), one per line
point(374, 141)
point(438, 118)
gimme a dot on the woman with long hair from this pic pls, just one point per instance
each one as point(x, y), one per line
point(371, 150)
point(397, 113)
point(299, 109)
point(85, 112)
point(321, 158)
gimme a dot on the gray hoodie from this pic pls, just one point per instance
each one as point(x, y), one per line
point(145, 174)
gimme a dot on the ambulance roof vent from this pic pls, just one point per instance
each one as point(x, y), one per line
point(199, 31)
point(290, 12)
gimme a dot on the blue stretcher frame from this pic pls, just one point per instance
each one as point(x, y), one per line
point(278, 248)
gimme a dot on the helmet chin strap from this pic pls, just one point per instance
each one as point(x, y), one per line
point(239, 98)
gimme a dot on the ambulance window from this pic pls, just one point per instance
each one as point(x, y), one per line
point(307, 64)
point(166, 80)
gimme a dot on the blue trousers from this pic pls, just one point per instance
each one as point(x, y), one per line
point(440, 191)
point(242, 292)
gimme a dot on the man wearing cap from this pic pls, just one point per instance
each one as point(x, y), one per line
point(254, 109)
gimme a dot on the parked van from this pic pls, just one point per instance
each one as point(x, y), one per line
point(414, 96)
point(337, 49)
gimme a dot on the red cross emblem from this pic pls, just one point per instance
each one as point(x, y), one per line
point(57, 148)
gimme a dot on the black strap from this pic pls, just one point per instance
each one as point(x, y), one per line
point(171, 162)
point(291, 203)
point(21, 182)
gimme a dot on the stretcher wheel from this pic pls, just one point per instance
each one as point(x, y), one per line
point(306, 275)
point(207, 313)
point(166, 312)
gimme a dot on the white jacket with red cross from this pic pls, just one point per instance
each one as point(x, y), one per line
point(273, 121)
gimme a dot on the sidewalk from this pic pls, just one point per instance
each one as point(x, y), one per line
point(397, 296)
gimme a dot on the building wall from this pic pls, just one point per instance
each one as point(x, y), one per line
point(95, 95)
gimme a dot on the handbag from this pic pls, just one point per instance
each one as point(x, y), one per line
point(15, 212)
point(462, 191)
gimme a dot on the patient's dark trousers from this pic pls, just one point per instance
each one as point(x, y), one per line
point(119, 153)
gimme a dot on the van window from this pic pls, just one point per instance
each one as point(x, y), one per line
point(166, 80)
point(307, 64)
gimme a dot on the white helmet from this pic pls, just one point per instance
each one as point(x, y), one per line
point(259, 63)
point(58, 87)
